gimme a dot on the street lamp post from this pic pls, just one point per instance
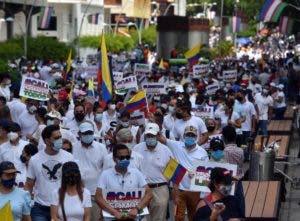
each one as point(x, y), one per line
point(221, 19)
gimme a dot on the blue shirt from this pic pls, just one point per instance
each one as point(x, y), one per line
point(19, 201)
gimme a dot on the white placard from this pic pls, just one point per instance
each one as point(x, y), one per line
point(203, 111)
point(212, 88)
point(141, 71)
point(126, 83)
point(229, 76)
point(200, 69)
point(34, 89)
point(88, 72)
point(154, 88)
point(117, 75)
point(202, 175)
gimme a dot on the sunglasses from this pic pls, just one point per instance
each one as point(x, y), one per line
point(124, 157)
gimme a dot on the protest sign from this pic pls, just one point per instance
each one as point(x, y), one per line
point(137, 118)
point(141, 71)
point(124, 200)
point(203, 111)
point(88, 72)
point(212, 88)
point(117, 76)
point(126, 83)
point(154, 88)
point(229, 76)
point(200, 69)
point(202, 174)
point(34, 89)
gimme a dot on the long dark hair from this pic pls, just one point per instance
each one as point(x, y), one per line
point(66, 168)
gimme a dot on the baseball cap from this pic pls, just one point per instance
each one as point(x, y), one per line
point(8, 167)
point(152, 128)
point(220, 175)
point(54, 114)
point(86, 126)
point(190, 130)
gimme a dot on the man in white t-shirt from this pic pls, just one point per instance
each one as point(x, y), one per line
point(185, 118)
point(187, 153)
point(122, 177)
point(44, 172)
point(90, 157)
point(16, 106)
point(264, 103)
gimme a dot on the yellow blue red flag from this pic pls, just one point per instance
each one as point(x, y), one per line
point(138, 101)
point(174, 171)
point(6, 213)
point(193, 55)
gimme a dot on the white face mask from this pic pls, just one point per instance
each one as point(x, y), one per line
point(112, 106)
point(12, 136)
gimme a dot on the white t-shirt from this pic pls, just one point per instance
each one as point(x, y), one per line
point(180, 125)
point(187, 159)
point(281, 104)
point(16, 108)
point(224, 118)
point(107, 119)
point(155, 161)
point(263, 103)
point(28, 123)
point(90, 162)
point(74, 207)
point(246, 109)
point(46, 171)
point(169, 122)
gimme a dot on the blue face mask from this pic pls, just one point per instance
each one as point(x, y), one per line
point(49, 122)
point(123, 164)
point(87, 139)
point(171, 109)
point(57, 145)
point(217, 155)
point(151, 141)
point(124, 123)
point(8, 183)
point(189, 141)
point(98, 117)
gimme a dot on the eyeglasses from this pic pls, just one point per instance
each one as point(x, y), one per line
point(124, 157)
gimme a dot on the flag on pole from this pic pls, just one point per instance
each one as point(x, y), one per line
point(90, 92)
point(272, 10)
point(106, 79)
point(161, 64)
point(236, 23)
point(69, 61)
point(138, 101)
point(285, 25)
point(6, 213)
point(174, 171)
point(193, 55)
point(45, 18)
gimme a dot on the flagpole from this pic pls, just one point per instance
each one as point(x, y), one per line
point(294, 6)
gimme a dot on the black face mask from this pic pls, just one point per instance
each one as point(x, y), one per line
point(240, 99)
point(79, 116)
point(23, 159)
point(179, 115)
point(211, 128)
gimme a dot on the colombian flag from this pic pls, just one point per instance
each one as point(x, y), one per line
point(69, 61)
point(138, 101)
point(193, 55)
point(174, 171)
point(90, 91)
point(6, 213)
point(105, 74)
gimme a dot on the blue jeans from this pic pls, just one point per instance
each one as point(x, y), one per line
point(263, 127)
point(40, 213)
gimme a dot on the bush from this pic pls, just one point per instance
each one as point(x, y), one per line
point(10, 50)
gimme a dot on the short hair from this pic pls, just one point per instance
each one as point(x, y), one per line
point(14, 127)
point(81, 105)
point(41, 112)
point(48, 130)
point(30, 149)
point(159, 118)
point(124, 114)
point(229, 134)
point(118, 147)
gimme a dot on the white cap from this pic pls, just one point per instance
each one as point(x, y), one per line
point(152, 128)
point(54, 114)
point(86, 126)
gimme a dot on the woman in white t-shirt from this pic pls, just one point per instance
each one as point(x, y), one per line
point(71, 202)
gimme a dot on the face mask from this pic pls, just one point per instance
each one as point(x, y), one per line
point(157, 104)
point(12, 136)
point(124, 124)
point(129, 145)
point(8, 183)
point(57, 145)
point(123, 164)
point(79, 116)
point(152, 141)
point(189, 141)
point(32, 109)
point(23, 159)
point(225, 190)
point(179, 116)
point(211, 128)
point(112, 107)
point(87, 139)
point(240, 99)
point(217, 155)
point(171, 109)
point(98, 117)
point(190, 90)
point(49, 122)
